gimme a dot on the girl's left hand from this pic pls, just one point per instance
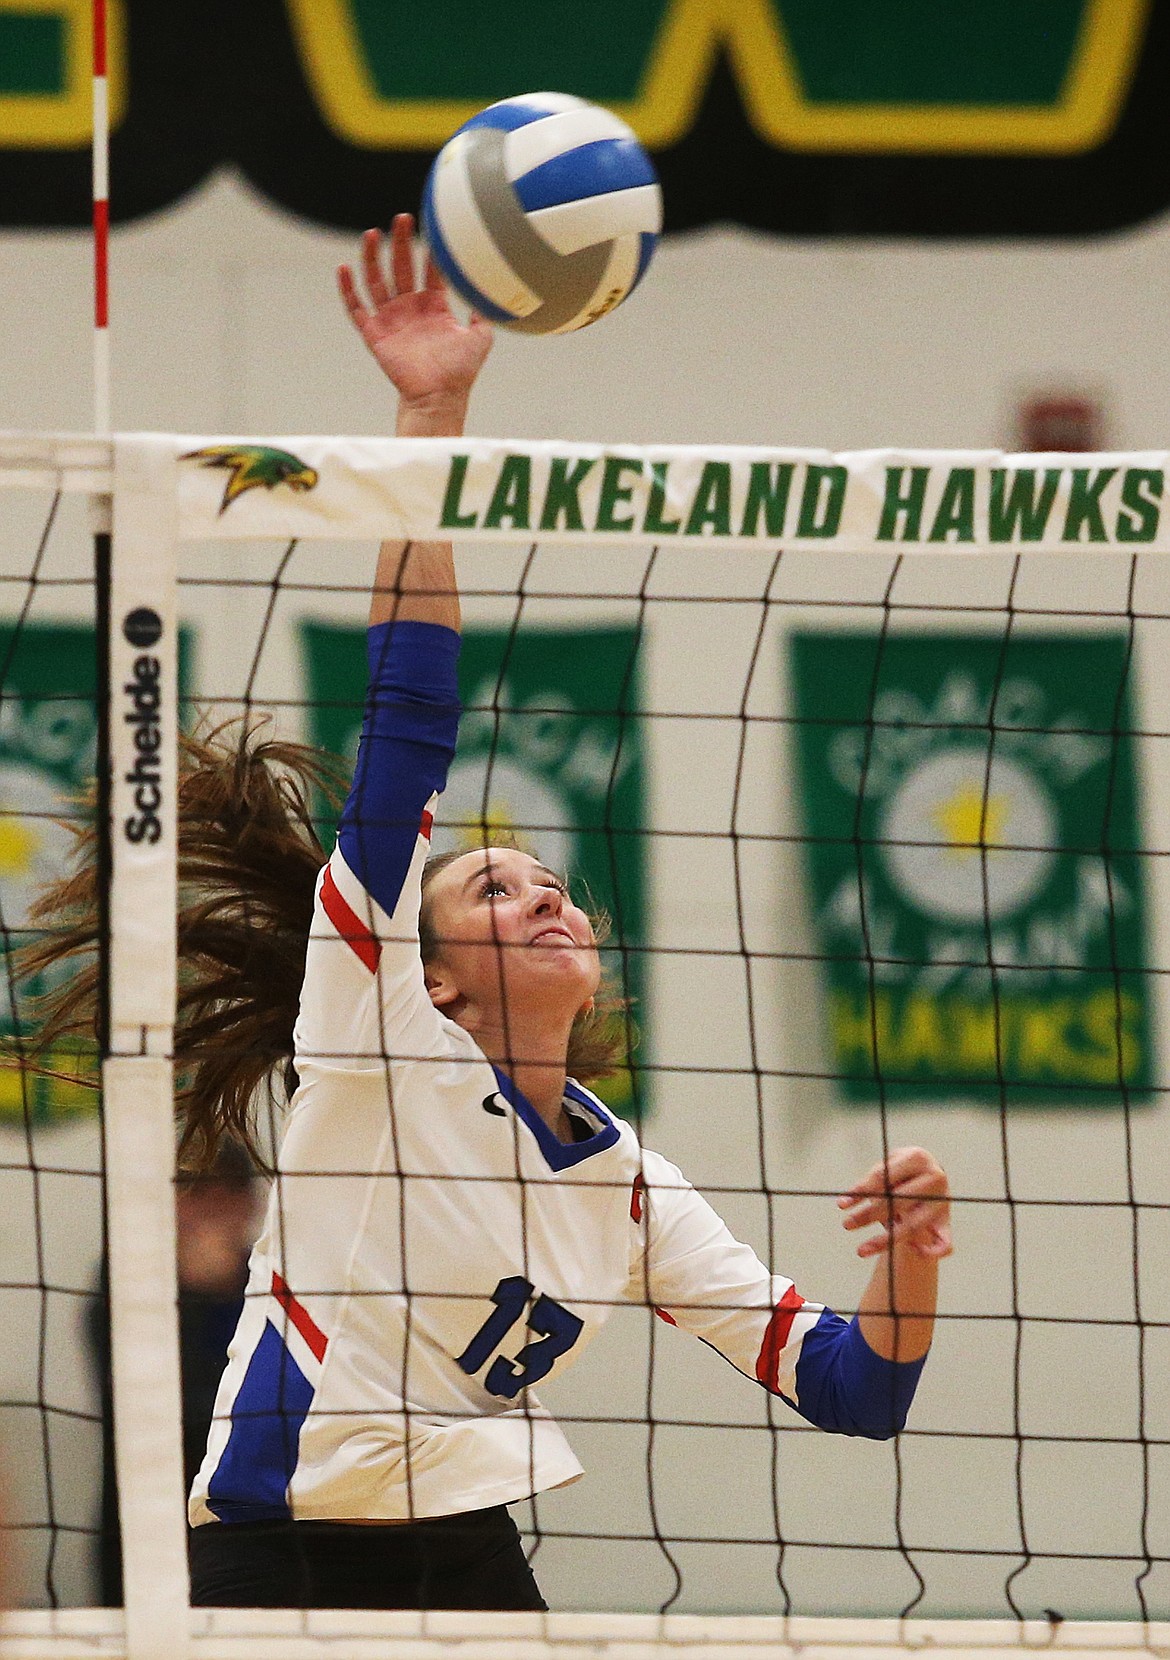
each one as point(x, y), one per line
point(908, 1196)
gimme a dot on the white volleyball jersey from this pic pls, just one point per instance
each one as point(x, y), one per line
point(431, 1250)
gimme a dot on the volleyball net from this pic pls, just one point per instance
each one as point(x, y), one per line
point(865, 757)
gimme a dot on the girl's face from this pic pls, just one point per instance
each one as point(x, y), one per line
point(510, 940)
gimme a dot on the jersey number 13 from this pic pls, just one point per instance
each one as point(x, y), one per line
point(556, 1328)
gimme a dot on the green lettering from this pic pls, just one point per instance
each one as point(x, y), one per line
point(561, 499)
point(823, 501)
point(1140, 512)
point(614, 493)
point(1084, 504)
point(656, 522)
point(769, 493)
point(451, 518)
point(512, 496)
point(956, 508)
point(712, 503)
point(1018, 509)
point(907, 506)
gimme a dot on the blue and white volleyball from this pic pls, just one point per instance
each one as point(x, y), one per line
point(543, 212)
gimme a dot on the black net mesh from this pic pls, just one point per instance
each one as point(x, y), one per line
point(881, 845)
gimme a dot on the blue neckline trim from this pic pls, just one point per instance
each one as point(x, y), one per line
point(560, 1155)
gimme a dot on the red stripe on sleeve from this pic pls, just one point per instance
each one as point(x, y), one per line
point(425, 823)
point(300, 1317)
point(775, 1338)
point(663, 1315)
point(349, 925)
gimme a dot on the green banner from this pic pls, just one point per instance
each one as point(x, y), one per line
point(48, 733)
point(976, 879)
point(48, 743)
point(550, 751)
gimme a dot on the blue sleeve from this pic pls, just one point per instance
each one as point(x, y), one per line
point(407, 742)
point(844, 1386)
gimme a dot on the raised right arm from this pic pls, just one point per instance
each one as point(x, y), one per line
point(366, 921)
point(433, 361)
point(408, 735)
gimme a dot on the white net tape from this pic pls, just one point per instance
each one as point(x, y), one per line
point(286, 1634)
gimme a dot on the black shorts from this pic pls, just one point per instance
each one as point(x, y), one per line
point(474, 1560)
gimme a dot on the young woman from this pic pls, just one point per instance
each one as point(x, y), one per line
point(454, 1214)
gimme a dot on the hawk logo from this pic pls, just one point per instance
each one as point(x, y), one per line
point(252, 466)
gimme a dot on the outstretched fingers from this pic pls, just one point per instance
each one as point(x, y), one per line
point(376, 287)
point(434, 277)
point(402, 254)
point(351, 299)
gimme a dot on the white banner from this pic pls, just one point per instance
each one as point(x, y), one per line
point(479, 489)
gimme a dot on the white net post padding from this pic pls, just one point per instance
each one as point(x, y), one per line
point(137, 1073)
point(713, 501)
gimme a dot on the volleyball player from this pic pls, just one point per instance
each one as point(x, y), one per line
point(454, 1211)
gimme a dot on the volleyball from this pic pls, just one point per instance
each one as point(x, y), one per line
point(543, 212)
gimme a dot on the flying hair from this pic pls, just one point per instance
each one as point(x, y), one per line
point(249, 858)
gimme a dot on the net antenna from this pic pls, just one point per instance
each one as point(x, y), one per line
point(719, 519)
point(101, 219)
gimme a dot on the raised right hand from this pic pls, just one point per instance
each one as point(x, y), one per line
point(431, 357)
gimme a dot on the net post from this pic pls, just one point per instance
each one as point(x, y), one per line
point(138, 661)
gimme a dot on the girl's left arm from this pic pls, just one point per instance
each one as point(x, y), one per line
point(907, 1195)
point(855, 1377)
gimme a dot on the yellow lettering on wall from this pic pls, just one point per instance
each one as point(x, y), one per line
point(922, 1037)
point(1109, 1023)
point(752, 35)
point(975, 1037)
point(1042, 1040)
point(854, 1028)
point(64, 121)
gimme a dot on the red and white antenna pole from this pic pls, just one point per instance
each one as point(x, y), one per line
point(101, 221)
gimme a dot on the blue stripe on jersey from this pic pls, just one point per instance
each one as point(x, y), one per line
point(250, 1482)
point(408, 739)
point(560, 1155)
point(844, 1386)
point(450, 267)
point(593, 169)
